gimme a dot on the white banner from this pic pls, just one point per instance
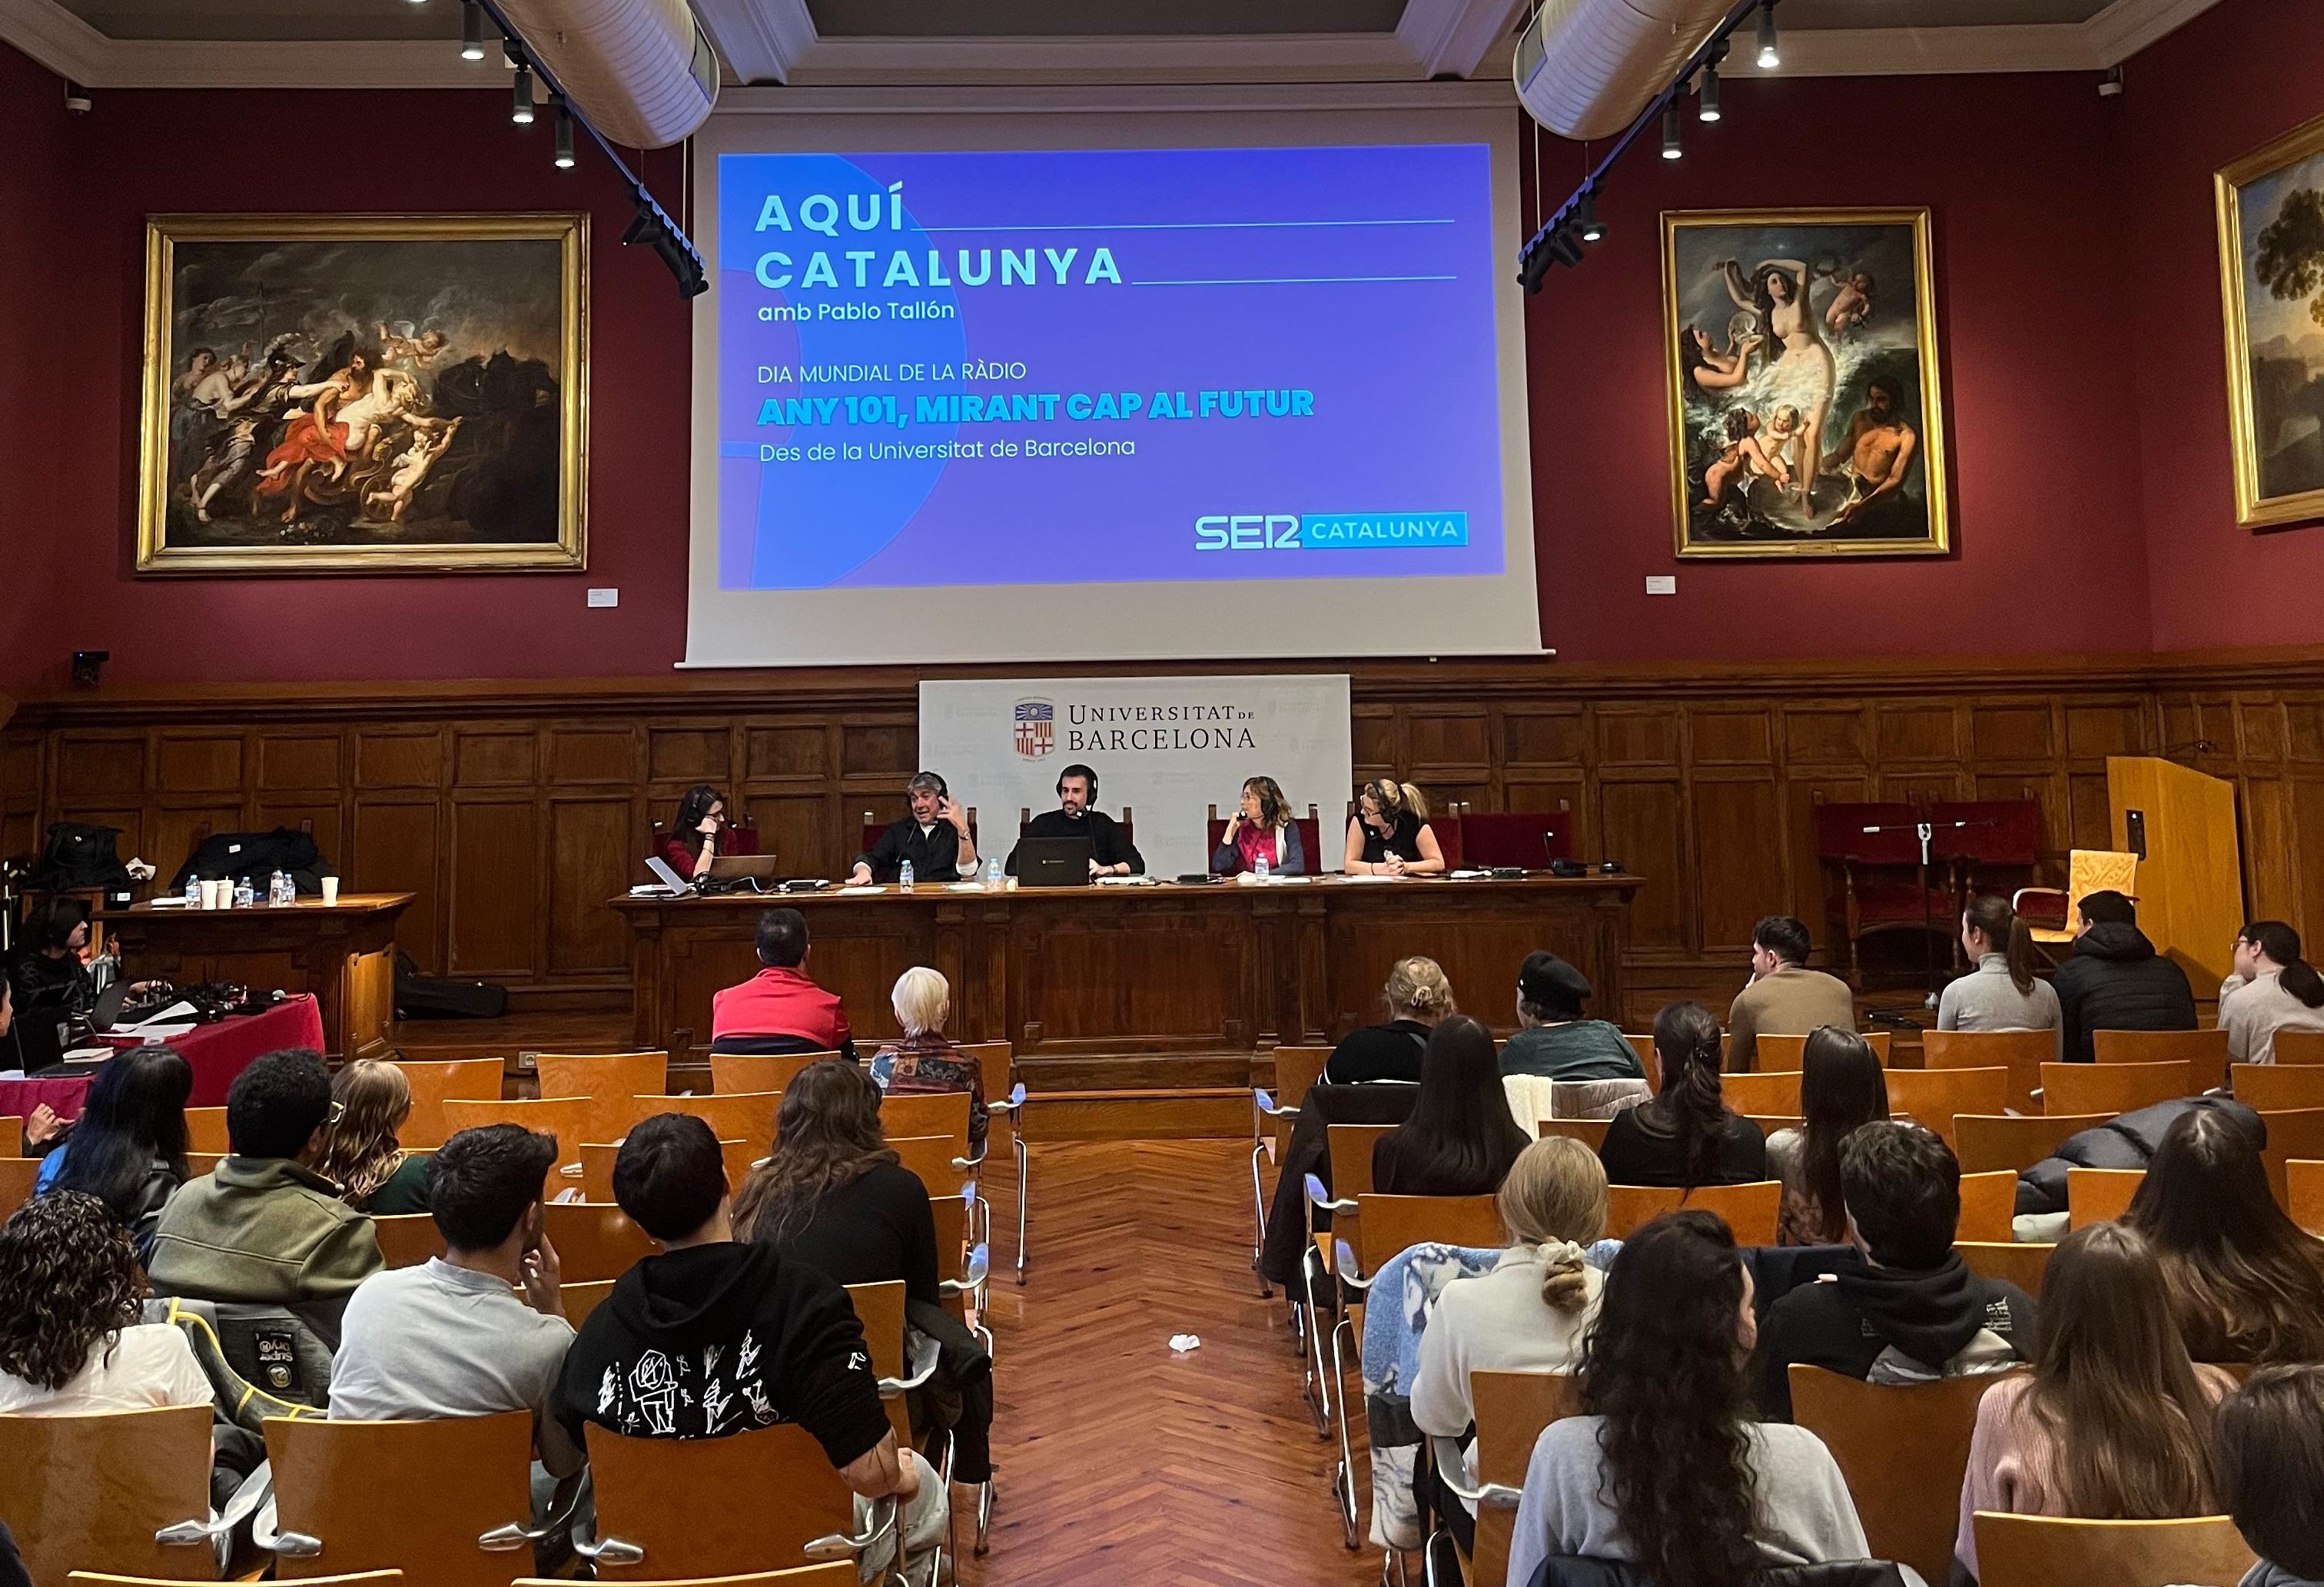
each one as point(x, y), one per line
point(1163, 748)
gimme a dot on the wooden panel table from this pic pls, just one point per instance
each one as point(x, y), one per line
point(1148, 972)
point(343, 952)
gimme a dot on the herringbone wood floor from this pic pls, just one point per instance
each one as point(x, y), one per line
point(1120, 1463)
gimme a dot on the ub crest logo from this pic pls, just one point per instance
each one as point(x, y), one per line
point(1036, 728)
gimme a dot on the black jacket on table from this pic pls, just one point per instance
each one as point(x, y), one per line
point(1106, 835)
point(1641, 1149)
point(2114, 979)
point(1928, 1316)
point(722, 1338)
point(935, 853)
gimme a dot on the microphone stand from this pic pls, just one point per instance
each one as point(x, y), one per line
point(1925, 831)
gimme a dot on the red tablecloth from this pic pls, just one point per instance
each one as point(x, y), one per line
point(218, 1053)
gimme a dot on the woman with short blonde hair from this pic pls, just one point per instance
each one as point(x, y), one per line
point(924, 1061)
point(1388, 834)
point(1419, 998)
point(370, 1102)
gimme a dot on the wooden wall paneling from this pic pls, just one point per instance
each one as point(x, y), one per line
point(291, 760)
point(1827, 734)
point(1740, 736)
point(2271, 886)
point(496, 860)
point(2089, 818)
point(318, 813)
point(1375, 739)
point(1638, 736)
point(1533, 737)
point(394, 850)
point(99, 768)
point(496, 757)
point(1642, 823)
point(2303, 729)
point(23, 761)
point(2096, 729)
point(1741, 863)
point(2012, 730)
point(1803, 789)
point(2262, 736)
point(1921, 731)
point(172, 829)
point(2308, 854)
point(1449, 741)
point(208, 764)
point(591, 858)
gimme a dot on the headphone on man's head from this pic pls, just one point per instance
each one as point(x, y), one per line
point(1085, 773)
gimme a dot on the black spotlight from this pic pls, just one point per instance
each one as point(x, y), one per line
point(655, 229)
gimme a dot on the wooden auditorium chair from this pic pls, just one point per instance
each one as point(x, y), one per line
point(206, 1130)
point(2304, 1194)
point(594, 1241)
point(2204, 1052)
point(2099, 1196)
point(1764, 1092)
point(1589, 1132)
point(1988, 1206)
point(447, 1502)
point(2044, 1551)
point(469, 1079)
point(1786, 1052)
point(1512, 1410)
point(2296, 1133)
point(2276, 1088)
point(2021, 1263)
point(731, 1073)
point(17, 1178)
point(746, 1115)
point(2299, 1047)
point(1296, 1068)
point(1004, 1101)
point(2112, 1089)
point(126, 1491)
point(1750, 1210)
point(2014, 1140)
point(607, 1079)
point(1936, 1097)
point(1903, 1450)
point(2020, 1052)
point(566, 1117)
point(407, 1240)
point(597, 1158)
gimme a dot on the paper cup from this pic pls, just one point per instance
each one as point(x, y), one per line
point(211, 899)
point(330, 889)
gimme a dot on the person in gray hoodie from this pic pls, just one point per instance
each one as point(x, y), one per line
point(1902, 1307)
point(2269, 1435)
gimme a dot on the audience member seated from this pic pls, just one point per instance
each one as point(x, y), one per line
point(1784, 997)
point(2114, 979)
point(70, 1297)
point(128, 1146)
point(2126, 1140)
point(1685, 1136)
point(2114, 1422)
point(2245, 1284)
point(1528, 1314)
point(934, 840)
point(832, 1194)
point(712, 1338)
point(1841, 1086)
point(2003, 993)
point(924, 1061)
point(1665, 1467)
point(1418, 997)
point(1904, 1307)
point(51, 986)
point(1554, 1038)
point(780, 1010)
point(1460, 1139)
point(1389, 835)
point(452, 1337)
point(2273, 989)
point(2269, 1444)
point(696, 833)
point(263, 1226)
point(373, 1172)
point(1076, 815)
point(1261, 828)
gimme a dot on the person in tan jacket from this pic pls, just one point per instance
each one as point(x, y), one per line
point(264, 1227)
point(1784, 997)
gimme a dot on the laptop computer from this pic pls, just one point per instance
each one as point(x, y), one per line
point(727, 867)
point(667, 877)
point(1054, 862)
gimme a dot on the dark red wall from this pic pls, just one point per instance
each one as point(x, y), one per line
point(2235, 77)
point(141, 153)
point(2076, 286)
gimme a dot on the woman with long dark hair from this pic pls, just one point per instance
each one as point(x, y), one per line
point(2003, 993)
point(832, 1194)
point(1461, 1138)
point(128, 1147)
point(2273, 989)
point(1260, 828)
point(2245, 1284)
point(1665, 1467)
point(1686, 1136)
point(2114, 1422)
point(363, 1158)
point(70, 1297)
point(1841, 1086)
point(697, 833)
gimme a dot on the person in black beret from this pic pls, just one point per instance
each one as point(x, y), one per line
point(1554, 1039)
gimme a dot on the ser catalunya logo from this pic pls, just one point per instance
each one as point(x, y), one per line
point(1328, 531)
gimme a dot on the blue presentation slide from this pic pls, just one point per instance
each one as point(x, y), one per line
point(1152, 366)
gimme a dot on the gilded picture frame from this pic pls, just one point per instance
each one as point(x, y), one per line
point(1806, 393)
point(365, 394)
point(2270, 205)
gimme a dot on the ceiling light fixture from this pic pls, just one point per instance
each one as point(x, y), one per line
point(1671, 150)
point(1591, 230)
point(564, 137)
point(1706, 95)
point(472, 32)
point(1770, 58)
point(520, 96)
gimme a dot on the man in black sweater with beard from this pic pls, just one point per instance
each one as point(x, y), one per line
point(1112, 852)
point(2114, 980)
point(1903, 1307)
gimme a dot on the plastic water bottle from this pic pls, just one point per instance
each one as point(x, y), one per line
point(276, 885)
point(993, 875)
point(246, 894)
point(903, 877)
point(1258, 866)
point(193, 893)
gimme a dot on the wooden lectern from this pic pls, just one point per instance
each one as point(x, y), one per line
point(2182, 823)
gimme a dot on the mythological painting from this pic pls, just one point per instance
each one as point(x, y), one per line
point(2270, 208)
point(1806, 411)
point(363, 393)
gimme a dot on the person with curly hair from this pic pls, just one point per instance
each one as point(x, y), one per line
point(363, 1157)
point(1665, 1467)
point(70, 1297)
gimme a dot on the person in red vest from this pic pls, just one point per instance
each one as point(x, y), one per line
point(780, 1010)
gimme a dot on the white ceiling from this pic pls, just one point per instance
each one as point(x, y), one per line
point(397, 43)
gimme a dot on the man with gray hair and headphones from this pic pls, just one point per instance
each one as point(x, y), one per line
point(934, 839)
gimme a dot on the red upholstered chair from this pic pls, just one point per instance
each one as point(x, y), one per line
point(1991, 844)
point(1447, 828)
point(1521, 837)
point(1872, 879)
